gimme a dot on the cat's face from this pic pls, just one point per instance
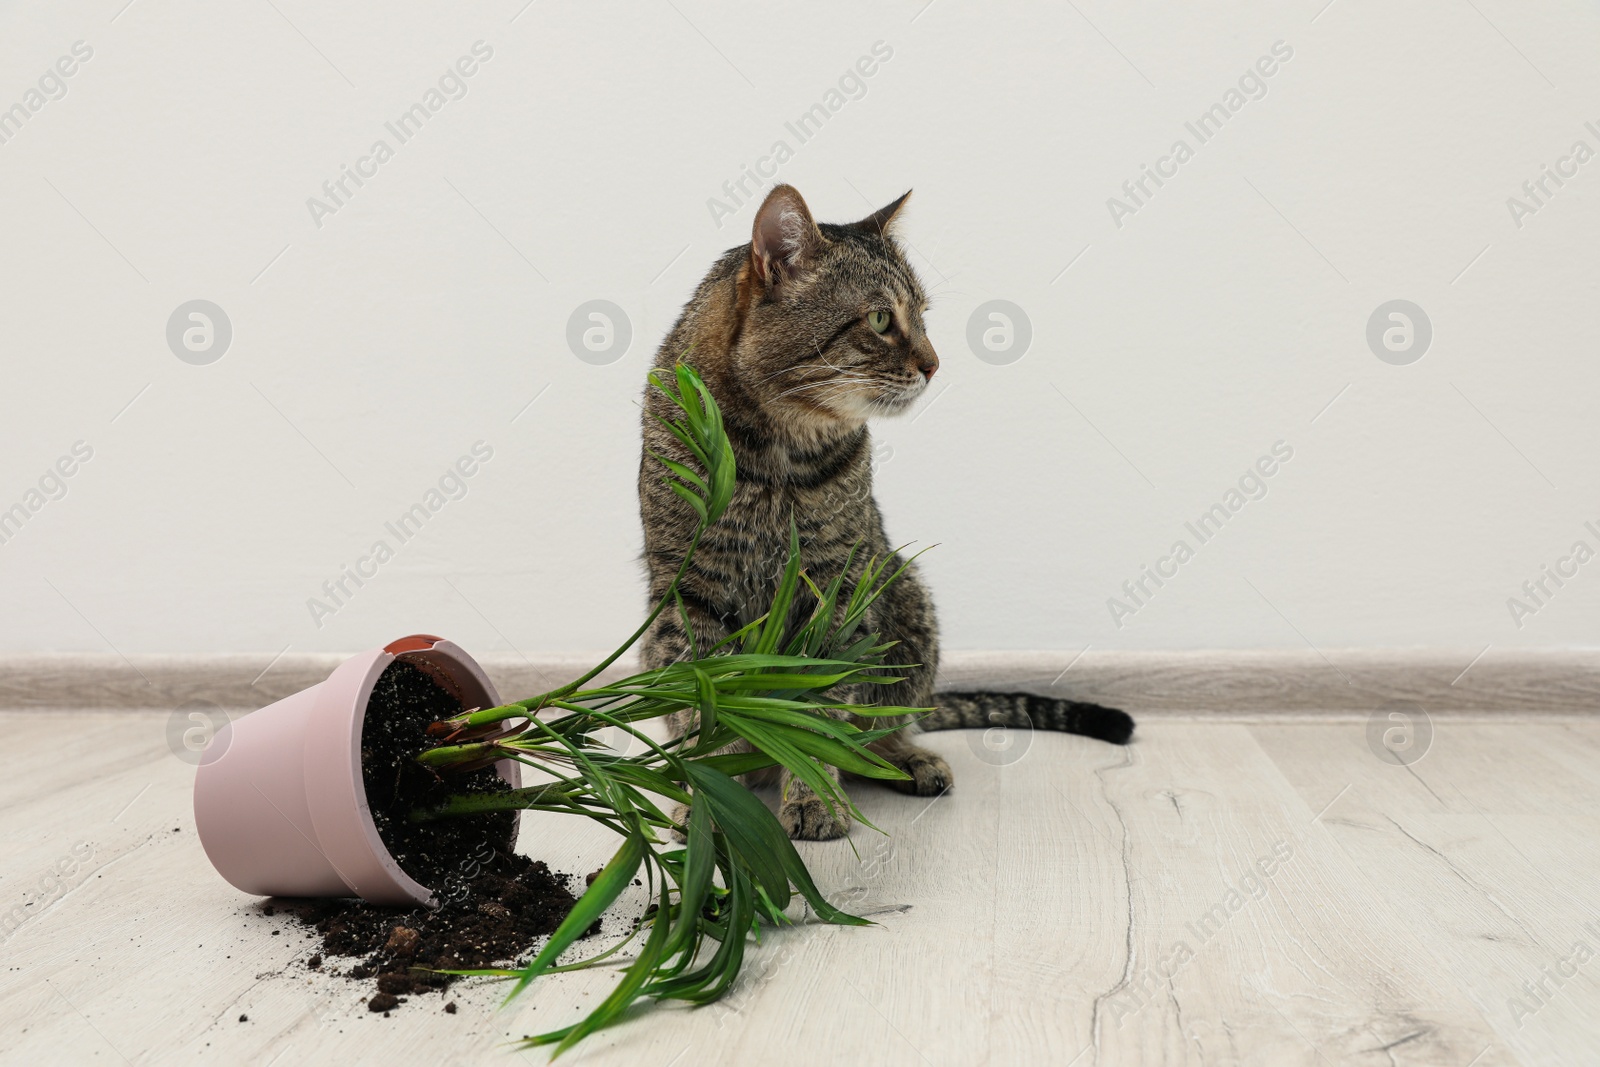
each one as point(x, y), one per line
point(833, 330)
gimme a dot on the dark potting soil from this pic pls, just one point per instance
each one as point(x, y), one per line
point(494, 903)
point(405, 701)
point(511, 903)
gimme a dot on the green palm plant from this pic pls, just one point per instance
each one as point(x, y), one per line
point(771, 685)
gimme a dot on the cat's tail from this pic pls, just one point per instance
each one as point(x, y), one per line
point(1022, 711)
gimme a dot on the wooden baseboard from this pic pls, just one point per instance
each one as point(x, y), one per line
point(1247, 682)
point(1253, 682)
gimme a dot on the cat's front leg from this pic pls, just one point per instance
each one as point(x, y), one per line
point(905, 614)
point(805, 815)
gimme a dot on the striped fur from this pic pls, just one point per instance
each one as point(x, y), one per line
point(802, 335)
point(1027, 711)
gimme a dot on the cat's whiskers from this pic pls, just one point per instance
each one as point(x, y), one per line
point(843, 380)
point(784, 370)
point(863, 400)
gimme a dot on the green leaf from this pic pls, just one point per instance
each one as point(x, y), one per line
point(736, 763)
point(695, 885)
point(777, 618)
point(786, 681)
point(649, 778)
point(695, 447)
point(749, 702)
point(688, 397)
point(683, 472)
point(711, 981)
point(688, 624)
point(844, 756)
point(737, 637)
point(752, 831)
point(776, 741)
point(688, 494)
point(706, 691)
point(777, 843)
point(600, 895)
point(638, 973)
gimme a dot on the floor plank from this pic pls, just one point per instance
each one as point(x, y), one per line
point(1487, 848)
point(1067, 899)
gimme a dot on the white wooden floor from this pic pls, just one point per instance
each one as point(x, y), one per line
point(1085, 901)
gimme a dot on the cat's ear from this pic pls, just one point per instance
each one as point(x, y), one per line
point(879, 221)
point(785, 238)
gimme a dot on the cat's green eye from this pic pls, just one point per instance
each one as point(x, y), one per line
point(880, 321)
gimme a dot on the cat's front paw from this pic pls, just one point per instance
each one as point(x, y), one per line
point(930, 774)
point(808, 819)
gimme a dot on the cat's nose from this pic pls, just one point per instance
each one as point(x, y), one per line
point(927, 363)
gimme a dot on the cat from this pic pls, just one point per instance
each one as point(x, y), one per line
point(803, 335)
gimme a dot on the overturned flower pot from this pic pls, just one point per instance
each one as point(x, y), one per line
point(281, 797)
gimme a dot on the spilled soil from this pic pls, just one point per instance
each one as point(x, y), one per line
point(512, 903)
point(495, 904)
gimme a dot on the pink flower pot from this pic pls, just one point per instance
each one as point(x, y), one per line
point(278, 797)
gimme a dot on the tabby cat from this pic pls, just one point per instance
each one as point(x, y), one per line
point(802, 335)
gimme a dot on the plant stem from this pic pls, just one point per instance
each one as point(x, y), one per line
point(483, 803)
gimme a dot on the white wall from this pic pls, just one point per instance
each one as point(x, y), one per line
point(371, 351)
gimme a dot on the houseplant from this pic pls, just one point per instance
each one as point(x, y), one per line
point(770, 686)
